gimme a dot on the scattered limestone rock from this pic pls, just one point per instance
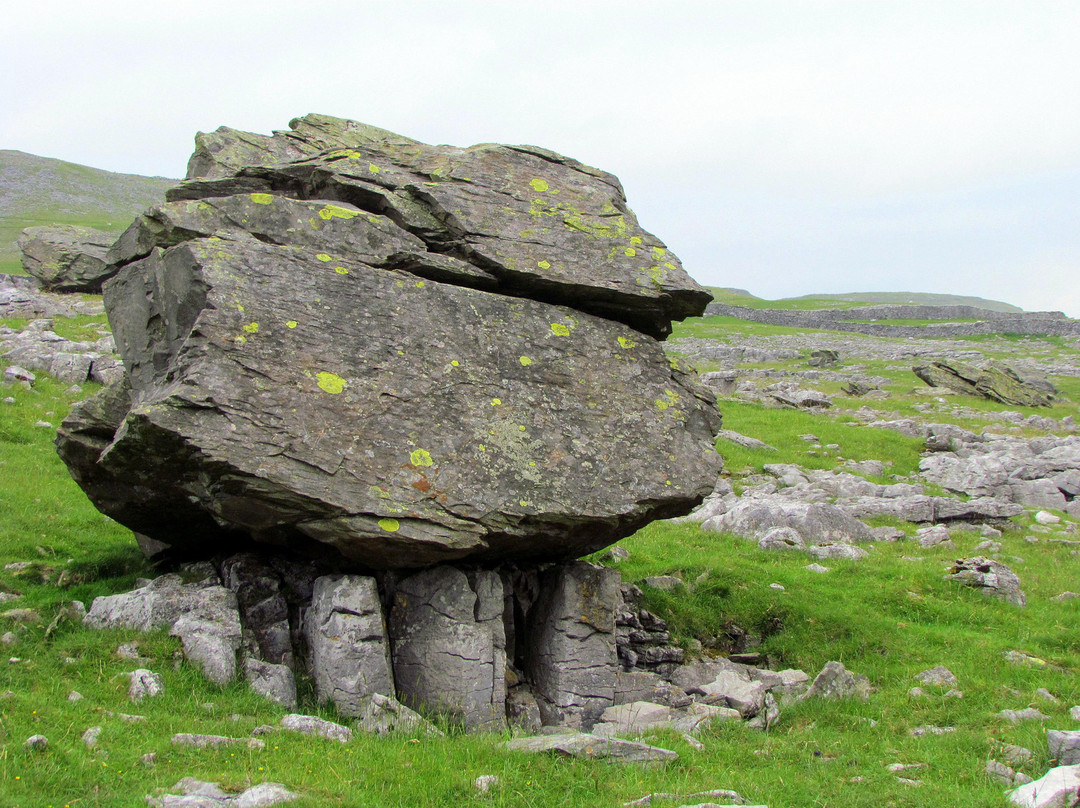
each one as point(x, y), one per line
point(929, 729)
point(1074, 713)
point(1016, 755)
point(593, 747)
point(199, 794)
point(274, 682)
point(1027, 714)
point(728, 796)
point(90, 737)
point(144, 684)
point(1047, 696)
point(934, 536)
point(74, 695)
point(384, 714)
point(1047, 518)
point(641, 716)
point(835, 682)
point(36, 743)
point(990, 577)
point(313, 725)
point(940, 676)
point(1058, 788)
point(485, 782)
point(1064, 746)
point(1005, 774)
point(200, 741)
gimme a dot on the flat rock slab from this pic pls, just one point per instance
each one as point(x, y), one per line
point(1058, 788)
point(469, 425)
point(313, 725)
point(593, 747)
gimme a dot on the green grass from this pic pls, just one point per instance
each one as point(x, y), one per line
point(885, 617)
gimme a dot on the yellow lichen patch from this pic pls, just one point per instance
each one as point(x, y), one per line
point(560, 330)
point(374, 169)
point(525, 361)
point(324, 257)
point(524, 503)
point(670, 399)
point(240, 339)
point(420, 457)
point(331, 211)
point(544, 264)
point(330, 382)
point(419, 284)
point(389, 525)
point(252, 328)
point(539, 185)
point(670, 265)
point(629, 252)
point(636, 240)
point(627, 343)
point(659, 251)
point(341, 270)
point(291, 324)
point(262, 199)
point(496, 402)
point(352, 154)
point(454, 363)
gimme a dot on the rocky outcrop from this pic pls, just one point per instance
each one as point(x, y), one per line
point(993, 381)
point(399, 354)
point(66, 257)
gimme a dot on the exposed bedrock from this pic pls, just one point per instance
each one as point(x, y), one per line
point(349, 344)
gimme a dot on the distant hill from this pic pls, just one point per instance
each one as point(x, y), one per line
point(40, 190)
point(740, 297)
point(919, 299)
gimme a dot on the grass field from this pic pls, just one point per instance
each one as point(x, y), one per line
point(888, 617)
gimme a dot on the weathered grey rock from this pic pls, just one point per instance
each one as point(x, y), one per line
point(1027, 714)
point(1006, 775)
point(264, 609)
point(36, 743)
point(640, 716)
point(274, 682)
point(837, 550)
point(994, 381)
point(594, 747)
point(735, 689)
point(478, 427)
point(572, 633)
point(160, 604)
point(144, 684)
point(934, 536)
point(449, 645)
point(940, 676)
point(1064, 746)
point(66, 257)
point(815, 522)
point(350, 654)
point(382, 715)
point(640, 685)
point(1058, 788)
point(728, 796)
point(194, 793)
point(91, 736)
point(1016, 755)
point(313, 725)
point(1074, 713)
point(990, 577)
point(523, 711)
point(782, 538)
point(201, 741)
point(212, 645)
point(837, 682)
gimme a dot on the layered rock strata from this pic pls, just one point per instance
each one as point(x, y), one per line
point(348, 343)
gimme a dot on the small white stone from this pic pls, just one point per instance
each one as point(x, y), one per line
point(1047, 518)
point(74, 695)
point(778, 587)
point(485, 782)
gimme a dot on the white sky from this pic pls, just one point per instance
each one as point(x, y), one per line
point(781, 147)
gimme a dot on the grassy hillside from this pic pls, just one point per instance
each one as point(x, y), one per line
point(39, 190)
point(740, 297)
point(889, 617)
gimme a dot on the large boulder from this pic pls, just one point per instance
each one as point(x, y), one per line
point(66, 257)
point(409, 354)
point(993, 381)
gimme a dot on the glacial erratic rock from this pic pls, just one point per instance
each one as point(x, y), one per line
point(412, 354)
point(593, 747)
point(66, 257)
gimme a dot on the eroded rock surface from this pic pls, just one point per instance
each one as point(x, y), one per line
point(66, 257)
point(411, 354)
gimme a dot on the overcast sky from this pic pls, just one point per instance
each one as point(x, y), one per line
point(781, 147)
